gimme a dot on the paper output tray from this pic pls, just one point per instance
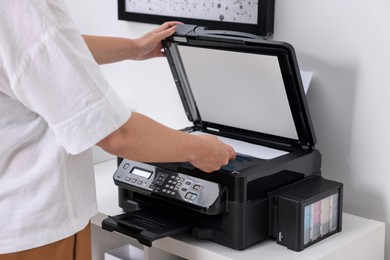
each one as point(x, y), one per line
point(147, 226)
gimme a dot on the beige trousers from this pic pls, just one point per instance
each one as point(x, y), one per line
point(76, 247)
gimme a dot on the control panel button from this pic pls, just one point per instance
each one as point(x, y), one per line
point(191, 196)
point(197, 187)
point(160, 178)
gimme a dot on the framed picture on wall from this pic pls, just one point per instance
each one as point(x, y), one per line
point(251, 16)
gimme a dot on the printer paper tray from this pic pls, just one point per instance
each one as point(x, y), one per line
point(147, 226)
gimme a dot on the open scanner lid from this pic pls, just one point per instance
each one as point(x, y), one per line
point(240, 84)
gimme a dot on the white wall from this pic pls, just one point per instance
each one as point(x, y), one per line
point(347, 46)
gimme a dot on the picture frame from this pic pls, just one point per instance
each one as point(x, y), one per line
point(250, 16)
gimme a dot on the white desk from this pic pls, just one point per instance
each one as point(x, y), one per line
point(360, 239)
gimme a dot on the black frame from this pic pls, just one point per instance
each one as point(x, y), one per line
point(290, 73)
point(264, 26)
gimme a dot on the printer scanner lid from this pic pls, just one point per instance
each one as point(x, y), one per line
point(241, 84)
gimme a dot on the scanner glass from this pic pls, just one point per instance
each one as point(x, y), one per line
point(230, 88)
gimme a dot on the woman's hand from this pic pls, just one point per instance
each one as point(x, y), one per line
point(149, 45)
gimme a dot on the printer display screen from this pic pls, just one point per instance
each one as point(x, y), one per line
point(141, 172)
point(238, 89)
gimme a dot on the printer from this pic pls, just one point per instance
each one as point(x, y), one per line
point(247, 91)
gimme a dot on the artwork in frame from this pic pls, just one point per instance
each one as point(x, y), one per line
point(251, 16)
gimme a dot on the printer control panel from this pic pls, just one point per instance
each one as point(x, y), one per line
point(166, 183)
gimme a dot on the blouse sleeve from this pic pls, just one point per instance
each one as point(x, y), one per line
point(60, 81)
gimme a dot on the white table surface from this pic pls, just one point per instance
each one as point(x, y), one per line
point(360, 238)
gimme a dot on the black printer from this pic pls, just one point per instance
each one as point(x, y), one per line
point(247, 91)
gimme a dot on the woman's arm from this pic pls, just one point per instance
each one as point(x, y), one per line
point(143, 139)
point(107, 49)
